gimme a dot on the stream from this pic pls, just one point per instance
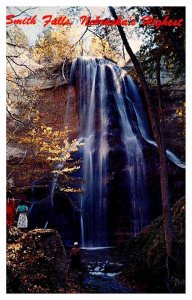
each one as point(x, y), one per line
point(100, 270)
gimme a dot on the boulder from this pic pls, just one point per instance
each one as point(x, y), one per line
point(36, 261)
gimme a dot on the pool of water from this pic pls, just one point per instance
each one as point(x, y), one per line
point(101, 268)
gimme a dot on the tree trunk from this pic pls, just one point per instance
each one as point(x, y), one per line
point(167, 219)
point(158, 138)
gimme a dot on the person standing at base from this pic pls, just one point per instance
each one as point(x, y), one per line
point(22, 210)
point(75, 257)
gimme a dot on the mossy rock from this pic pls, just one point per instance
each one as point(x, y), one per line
point(147, 258)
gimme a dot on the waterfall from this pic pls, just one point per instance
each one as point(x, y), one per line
point(92, 105)
point(136, 163)
point(132, 95)
point(100, 85)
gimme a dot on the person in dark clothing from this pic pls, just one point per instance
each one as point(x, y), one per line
point(75, 257)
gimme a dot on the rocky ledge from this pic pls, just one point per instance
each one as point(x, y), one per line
point(36, 263)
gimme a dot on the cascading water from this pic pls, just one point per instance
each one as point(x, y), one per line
point(99, 85)
point(95, 150)
point(135, 160)
point(132, 95)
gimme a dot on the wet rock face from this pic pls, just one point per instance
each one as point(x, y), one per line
point(36, 262)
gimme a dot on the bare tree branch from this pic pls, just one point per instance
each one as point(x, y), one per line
point(21, 64)
point(23, 11)
point(14, 118)
point(17, 76)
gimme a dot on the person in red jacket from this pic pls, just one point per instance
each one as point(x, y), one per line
point(10, 208)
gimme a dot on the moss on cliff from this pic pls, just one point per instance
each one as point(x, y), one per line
point(148, 269)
